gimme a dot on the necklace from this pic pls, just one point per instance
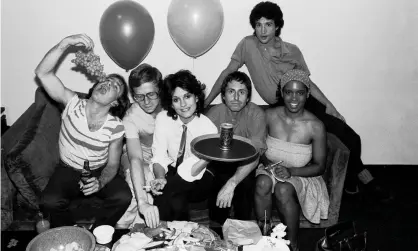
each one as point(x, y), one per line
point(96, 125)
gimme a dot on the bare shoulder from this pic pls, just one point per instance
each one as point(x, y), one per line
point(273, 112)
point(316, 124)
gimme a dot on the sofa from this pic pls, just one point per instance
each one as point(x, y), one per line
point(30, 153)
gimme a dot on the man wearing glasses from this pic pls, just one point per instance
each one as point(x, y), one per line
point(145, 83)
point(233, 183)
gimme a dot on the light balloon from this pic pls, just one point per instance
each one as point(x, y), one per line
point(195, 25)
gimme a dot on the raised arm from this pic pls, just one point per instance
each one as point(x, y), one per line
point(216, 89)
point(45, 71)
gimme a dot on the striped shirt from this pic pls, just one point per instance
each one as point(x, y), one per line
point(77, 143)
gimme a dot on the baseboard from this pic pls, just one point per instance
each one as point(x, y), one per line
point(390, 166)
point(387, 171)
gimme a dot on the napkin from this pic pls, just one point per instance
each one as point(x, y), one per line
point(274, 242)
point(265, 245)
point(133, 242)
point(241, 232)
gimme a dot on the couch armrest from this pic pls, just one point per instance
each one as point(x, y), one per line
point(32, 156)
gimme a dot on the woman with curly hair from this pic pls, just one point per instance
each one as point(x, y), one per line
point(180, 176)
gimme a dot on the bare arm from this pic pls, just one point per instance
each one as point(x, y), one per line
point(243, 172)
point(45, 71)
point(216, 89)
point(199, 166)
point(110, 170)
point(137, 170)
point(319, 153)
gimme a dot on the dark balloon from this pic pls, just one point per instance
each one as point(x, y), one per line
point(126, 33)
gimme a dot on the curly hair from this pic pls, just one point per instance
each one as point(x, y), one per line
point(123, 100)
point(267, 10)
point(185, 80)
point(145, 73)
point(240, 77)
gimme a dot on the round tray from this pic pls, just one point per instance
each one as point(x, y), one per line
point(207, 147)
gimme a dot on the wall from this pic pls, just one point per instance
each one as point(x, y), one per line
point(362, 54)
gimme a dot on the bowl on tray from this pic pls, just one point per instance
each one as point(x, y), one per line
point(63, 238)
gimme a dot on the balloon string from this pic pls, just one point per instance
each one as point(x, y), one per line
point(193, 66)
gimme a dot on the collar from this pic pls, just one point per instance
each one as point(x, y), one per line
point(180, 123)
point(279, 46)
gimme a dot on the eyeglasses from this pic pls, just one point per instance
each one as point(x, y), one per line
point(141, 97)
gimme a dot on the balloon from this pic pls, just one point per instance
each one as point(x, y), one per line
point(126, 33)
point(195, 25)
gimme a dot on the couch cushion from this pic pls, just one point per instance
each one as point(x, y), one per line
point(7, 194)
point(32, 160)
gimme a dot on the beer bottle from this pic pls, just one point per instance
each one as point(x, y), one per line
point(86, 172)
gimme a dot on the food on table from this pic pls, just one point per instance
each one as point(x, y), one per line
point(203, 234)
point(171, 236)
point(73, 246)
point(133, 242)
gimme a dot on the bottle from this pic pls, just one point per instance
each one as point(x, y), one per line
point(86, 172)
point(42, 223)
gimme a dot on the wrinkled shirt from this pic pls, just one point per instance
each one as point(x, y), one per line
point(249, 123)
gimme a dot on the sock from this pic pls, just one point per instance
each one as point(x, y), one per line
point(365, 176)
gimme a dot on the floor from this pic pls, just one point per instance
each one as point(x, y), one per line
point(389, 227)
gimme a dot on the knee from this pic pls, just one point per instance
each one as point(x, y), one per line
point(123, 196)
point(263, 185)
point(284, 191)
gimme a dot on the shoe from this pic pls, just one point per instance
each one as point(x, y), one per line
point(378, 192)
